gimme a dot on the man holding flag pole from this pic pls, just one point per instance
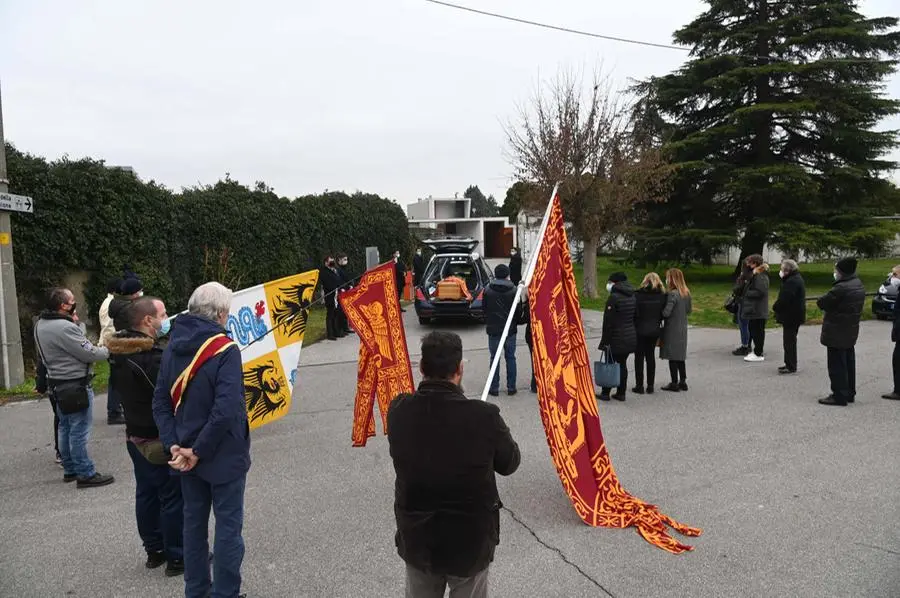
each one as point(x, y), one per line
point(566, 398)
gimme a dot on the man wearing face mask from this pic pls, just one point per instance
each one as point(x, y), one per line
point(330, 279)
point(135, 357)
point(843, 306)
point(400, 269)
point(515, 266)
point(418, 267)
point(65, 357)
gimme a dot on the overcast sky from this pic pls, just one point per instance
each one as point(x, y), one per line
point(397, 97)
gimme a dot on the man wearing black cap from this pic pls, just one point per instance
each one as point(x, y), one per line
point(499, 297)
point(843, 306)
point(130, 289)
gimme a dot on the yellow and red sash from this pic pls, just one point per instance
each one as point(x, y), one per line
point(212, 347)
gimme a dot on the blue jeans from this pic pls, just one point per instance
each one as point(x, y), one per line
point(744, 326)
point(227, 503)
point(113, 401)
point(74, 431)
point(509, 352)
point(158, 506)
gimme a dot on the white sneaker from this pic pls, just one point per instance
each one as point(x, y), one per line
point(754, 358)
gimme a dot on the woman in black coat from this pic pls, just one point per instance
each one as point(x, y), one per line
point(651, 300)
point(755, 306)
point(619, 333)
point(790, 312)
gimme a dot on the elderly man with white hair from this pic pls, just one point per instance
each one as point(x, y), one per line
point(198, 406)
point(790, 312)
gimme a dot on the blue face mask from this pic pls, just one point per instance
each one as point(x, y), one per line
point(166, 327)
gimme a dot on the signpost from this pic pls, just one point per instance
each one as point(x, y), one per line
point(11, 365)
point(16, 203)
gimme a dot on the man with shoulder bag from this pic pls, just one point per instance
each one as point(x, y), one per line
point(135, 357)
point(66, 355)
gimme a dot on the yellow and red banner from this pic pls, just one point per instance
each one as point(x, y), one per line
point(568, 406)
point(383, 370)
point(267, 322)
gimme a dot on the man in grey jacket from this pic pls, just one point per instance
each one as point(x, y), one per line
point(65, 356)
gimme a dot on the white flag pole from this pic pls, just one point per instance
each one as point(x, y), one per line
point(529, 272)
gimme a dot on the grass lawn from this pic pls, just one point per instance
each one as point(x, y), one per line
point(315, 331)
point(710, 287)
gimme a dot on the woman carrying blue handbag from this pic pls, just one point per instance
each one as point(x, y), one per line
point(619, 338)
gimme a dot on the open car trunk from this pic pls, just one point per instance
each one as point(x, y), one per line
point(451, 279)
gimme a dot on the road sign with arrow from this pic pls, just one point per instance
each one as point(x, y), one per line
point(16, 203)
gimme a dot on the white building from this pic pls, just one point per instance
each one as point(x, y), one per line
point(434, 217)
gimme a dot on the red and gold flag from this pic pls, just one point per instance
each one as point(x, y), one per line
point(383, 369)
point(568, 406)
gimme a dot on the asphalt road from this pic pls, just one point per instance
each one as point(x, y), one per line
point(795, 499)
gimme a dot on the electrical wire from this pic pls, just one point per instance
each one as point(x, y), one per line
point(613, 38)
point(624, 40)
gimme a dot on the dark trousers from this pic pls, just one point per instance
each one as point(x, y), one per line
point(158, 506)
point(113, 401)
point(842, 371)
point(790, 346)
point(678, 371)
point(332, 318)
point(897, 368)
point(758, 336)
point(622, 360)
point(342, 322)
point(55, 422)
point(227, 503)
point(646, 353)
point(534, 380)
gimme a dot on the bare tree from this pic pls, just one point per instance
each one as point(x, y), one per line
point(586, 139)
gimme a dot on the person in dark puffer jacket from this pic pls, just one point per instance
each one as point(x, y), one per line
point(843, 306)
point(135, 357)
point(651, 300)
point(755, 306)
point(619, 332)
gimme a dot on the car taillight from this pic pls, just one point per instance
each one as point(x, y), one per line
point(420, 295)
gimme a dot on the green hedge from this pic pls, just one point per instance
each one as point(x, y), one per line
point(93, 218)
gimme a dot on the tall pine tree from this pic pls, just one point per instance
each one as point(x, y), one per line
point(773, 125)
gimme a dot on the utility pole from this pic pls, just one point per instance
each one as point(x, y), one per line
point(12, 368)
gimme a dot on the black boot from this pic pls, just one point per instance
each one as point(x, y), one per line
point(175, 568)
point(638, 390)
point(673, 387)
point(155, 559)
point(683, 387)
point(833, 400)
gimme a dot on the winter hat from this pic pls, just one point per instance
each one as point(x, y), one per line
point(847, 266)
point(130, 286)
point(618, 277)
point(501, 271)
